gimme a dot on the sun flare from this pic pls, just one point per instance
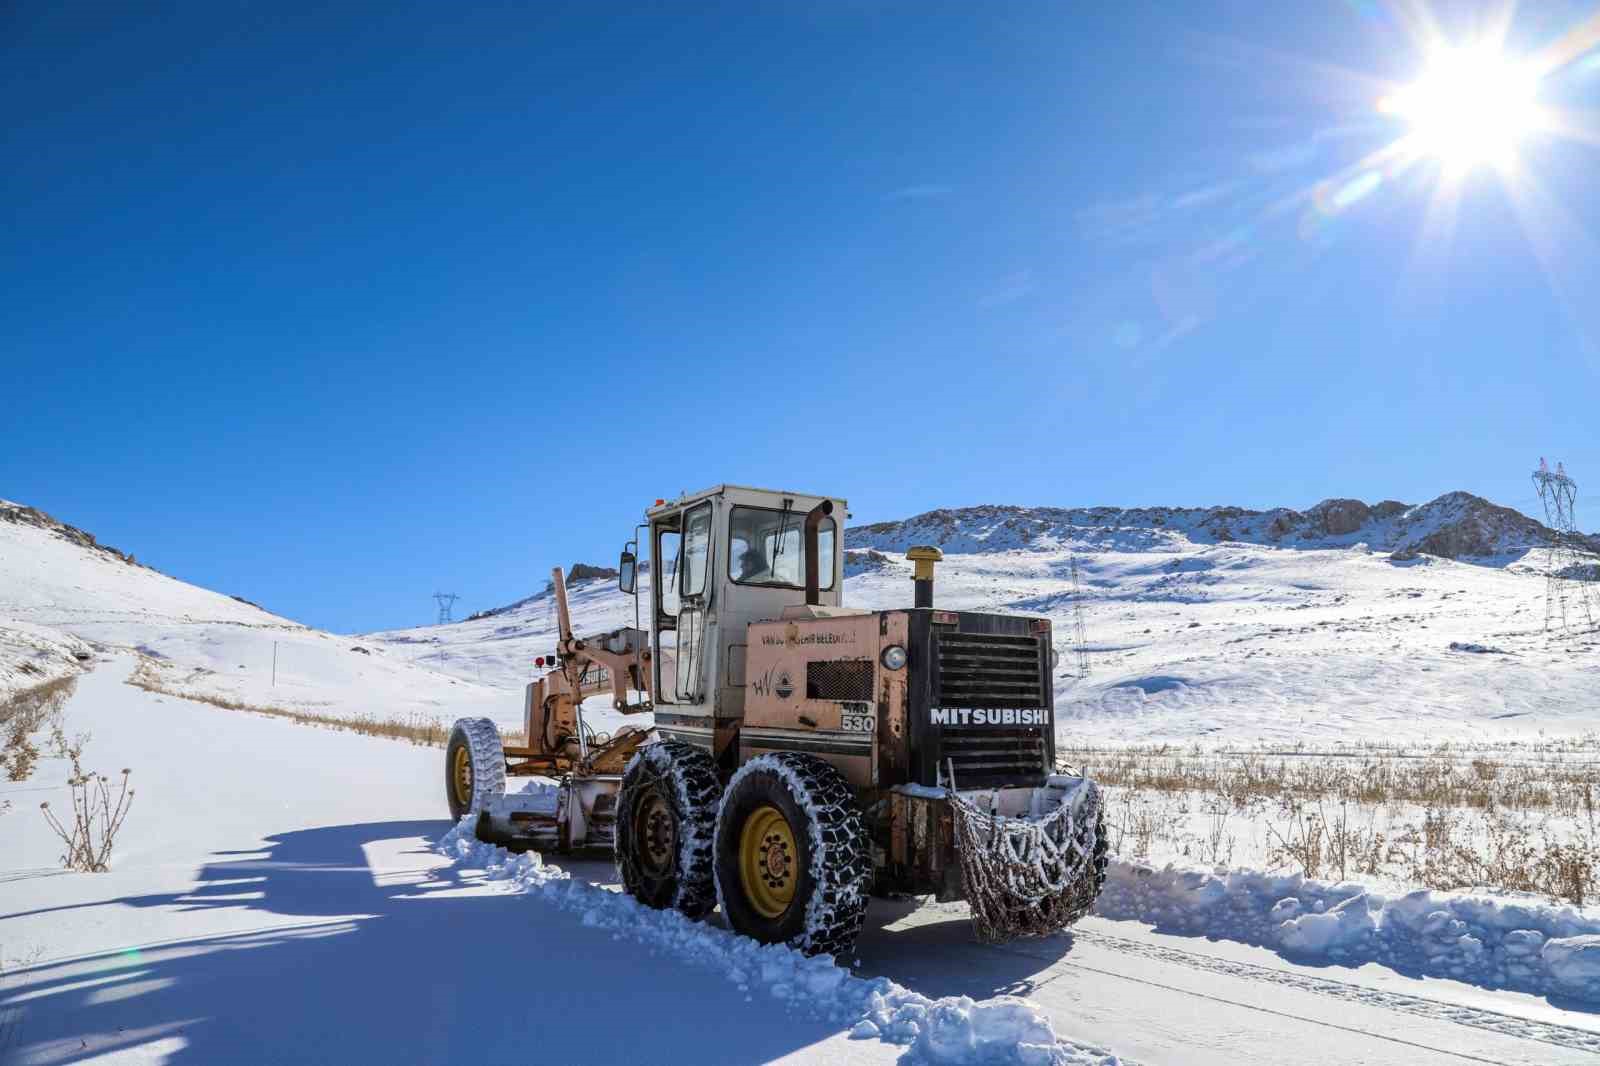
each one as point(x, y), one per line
point(1471, 106)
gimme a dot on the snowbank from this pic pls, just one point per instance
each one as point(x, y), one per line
point(1505, 940)
point(952, 1030)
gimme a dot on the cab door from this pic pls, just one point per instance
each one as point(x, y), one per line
point(694, 600)
point(666, 543)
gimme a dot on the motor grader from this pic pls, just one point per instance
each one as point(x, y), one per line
point(803, 755)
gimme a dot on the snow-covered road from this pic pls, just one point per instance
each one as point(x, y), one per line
point(275, 898)
point(257, 913)
point(1158, 998)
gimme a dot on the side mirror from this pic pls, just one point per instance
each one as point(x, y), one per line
point(627, 578)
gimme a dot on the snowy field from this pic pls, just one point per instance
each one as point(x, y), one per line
point(1308, 636)
point(328, 915)
point(283, 893)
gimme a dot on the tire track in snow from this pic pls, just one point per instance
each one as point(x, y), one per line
point(1565, 1036)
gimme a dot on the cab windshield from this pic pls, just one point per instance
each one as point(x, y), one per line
point(767, 547)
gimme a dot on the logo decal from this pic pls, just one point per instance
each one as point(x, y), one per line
point(784, 687)
point(990, 716)
point(792, 637)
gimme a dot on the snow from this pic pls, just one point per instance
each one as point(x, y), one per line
point(59, 596)
point(276, 890)
point(1493, 940)
point(1572, 963)
point(950, 1030)
point(34, 655)
point(1470, 525)
point(536, 796)
point(276, 895)
point(1194, 636)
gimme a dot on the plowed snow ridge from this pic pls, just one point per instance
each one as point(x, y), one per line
point(1493, 940)
point(1506, 1024)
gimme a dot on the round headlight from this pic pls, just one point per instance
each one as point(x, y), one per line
point(1055, 658)
point(894, 657)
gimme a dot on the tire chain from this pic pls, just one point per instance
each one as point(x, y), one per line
point(997, 916)
point(691, 779)
point(835, 914)
point(488, 759)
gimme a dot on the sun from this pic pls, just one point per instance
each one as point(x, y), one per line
point(1471, 106)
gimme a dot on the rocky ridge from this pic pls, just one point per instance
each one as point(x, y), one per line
point(1457, 525)
point(21, 514)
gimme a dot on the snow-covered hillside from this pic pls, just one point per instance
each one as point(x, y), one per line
point(273, 861)
point(1456, 525)
point(1346, 621)
point(61, 591)
point(1342, 622)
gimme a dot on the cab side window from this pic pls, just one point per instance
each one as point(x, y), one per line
point(668, 545)
point(696, 551)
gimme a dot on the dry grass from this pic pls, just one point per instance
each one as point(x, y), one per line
point(1512, 816)
point(24, 713)
point(90, 831)
point(418, 729)
point(1559, 777)
point(1337, 839)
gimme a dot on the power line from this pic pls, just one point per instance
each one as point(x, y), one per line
point(1080, 639)
point(445, 600)
point(1572, 594)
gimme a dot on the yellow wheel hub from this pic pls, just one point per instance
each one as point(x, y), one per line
point(769, 862)
point(461, 776)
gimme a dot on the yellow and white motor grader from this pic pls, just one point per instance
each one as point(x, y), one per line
point(804, 755)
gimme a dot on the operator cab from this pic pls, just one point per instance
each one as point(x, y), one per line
point(719, 560)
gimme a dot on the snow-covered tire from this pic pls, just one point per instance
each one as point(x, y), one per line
point(474, 766)
point(1102, 855)
point(666, 820)
point(822, 911)
point(1080, 900)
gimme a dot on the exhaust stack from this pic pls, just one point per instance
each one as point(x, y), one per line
point(924, 555)
point(814, 519)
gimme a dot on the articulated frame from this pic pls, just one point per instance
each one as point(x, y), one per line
point(555, 741)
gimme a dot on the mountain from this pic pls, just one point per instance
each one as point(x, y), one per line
point(575, 574)
point(1457, 525)
point(1347, 621)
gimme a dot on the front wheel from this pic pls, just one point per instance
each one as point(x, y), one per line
point(474, 766)
point(792, 855)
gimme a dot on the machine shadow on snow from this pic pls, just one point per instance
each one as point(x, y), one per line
point(387, 967)
point(936, 955)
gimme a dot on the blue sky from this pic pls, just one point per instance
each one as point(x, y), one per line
point(332, 308)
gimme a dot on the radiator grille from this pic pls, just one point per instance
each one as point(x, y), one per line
point(983, 755)
point(840, 679)
point(990, 670)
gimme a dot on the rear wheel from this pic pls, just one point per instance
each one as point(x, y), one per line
point(666, 821)
point(793, 864)
point(474, 766)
